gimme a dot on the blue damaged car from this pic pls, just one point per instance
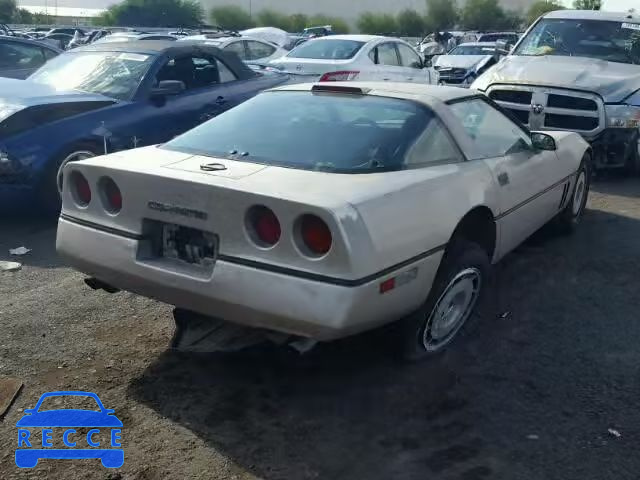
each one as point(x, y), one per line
point(29, 442)
point(107, 97)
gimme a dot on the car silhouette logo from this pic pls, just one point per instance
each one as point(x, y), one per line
point(27, 454)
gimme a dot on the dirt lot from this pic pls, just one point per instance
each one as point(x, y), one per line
point(529, 396)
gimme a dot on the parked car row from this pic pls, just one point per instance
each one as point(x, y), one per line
point(209, 202)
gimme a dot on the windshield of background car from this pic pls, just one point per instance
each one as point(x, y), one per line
point(313, 131)
point(605, 40)
point(113, 74)
point(327, 49)
point(472, 50)
point(494, 37)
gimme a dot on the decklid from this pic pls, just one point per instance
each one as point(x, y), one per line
point(305, 186)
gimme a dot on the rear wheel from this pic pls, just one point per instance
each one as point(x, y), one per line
point(456, 295)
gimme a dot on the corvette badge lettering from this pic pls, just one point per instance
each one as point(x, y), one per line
point(185, 212)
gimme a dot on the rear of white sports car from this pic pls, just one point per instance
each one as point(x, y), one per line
point(304, 249)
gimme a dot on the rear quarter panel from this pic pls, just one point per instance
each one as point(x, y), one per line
point(424, 212)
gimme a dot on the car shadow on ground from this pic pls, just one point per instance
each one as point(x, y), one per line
point(616, 183)
point(350, 410)
point(37, 233)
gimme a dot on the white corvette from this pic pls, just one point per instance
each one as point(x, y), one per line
point(325, 210)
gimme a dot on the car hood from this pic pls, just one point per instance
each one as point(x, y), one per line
point(28, 93)
point(459, 61)
point(612, 81)
point(69, 418)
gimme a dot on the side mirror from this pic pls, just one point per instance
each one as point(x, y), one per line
point(542, 141)
point(166, 88)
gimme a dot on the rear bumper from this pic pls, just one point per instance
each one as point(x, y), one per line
point(243, 294)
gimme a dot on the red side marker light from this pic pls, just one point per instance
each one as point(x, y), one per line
point(388, 284)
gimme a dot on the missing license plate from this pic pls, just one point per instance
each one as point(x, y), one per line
point(188, 244)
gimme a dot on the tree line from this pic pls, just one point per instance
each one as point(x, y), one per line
point(439, 15)
point(10, 13)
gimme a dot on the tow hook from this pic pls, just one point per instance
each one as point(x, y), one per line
point(96, 284)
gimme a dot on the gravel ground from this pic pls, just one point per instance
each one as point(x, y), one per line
point(528, 396)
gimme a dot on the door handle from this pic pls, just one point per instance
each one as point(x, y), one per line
point(385, 79)
point(220, 101)
point(410, 79)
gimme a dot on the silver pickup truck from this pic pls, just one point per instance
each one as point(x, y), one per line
point(579, 71)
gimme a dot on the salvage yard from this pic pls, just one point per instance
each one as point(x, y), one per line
point(547, 389)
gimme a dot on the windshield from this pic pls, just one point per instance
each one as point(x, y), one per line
point(473, 50)
point(367, 133)
point(113, 74)
point(605, 40)
point(327, 49)
point(494, 37)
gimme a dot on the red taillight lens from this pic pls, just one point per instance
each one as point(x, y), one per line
point(265, 224)
point(82, 188)
point(344, 76)
point(315, 234)
point(112, 195)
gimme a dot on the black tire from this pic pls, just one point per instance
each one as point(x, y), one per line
point(418, 331)
point(49, 195)
point(632, 165)
point(569, 218)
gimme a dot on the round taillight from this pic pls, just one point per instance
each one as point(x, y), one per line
point(81, 188)
point(112, 196)
point(315, 234)
point(264, 226)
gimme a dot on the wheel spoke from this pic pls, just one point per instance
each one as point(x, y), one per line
point(452, 309)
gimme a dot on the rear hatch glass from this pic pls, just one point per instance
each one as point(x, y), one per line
point(324, 49)
point(304, 130)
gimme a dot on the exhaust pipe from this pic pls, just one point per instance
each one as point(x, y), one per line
point(96, 284)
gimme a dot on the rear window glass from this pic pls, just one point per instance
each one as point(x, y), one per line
point(327, 49)
point(313, 131)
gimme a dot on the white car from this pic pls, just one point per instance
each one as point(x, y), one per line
point(272, 35)
point(357, 57)
point(462, 65)
point(325, 210)
point(248, 49)
point(134, 37)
